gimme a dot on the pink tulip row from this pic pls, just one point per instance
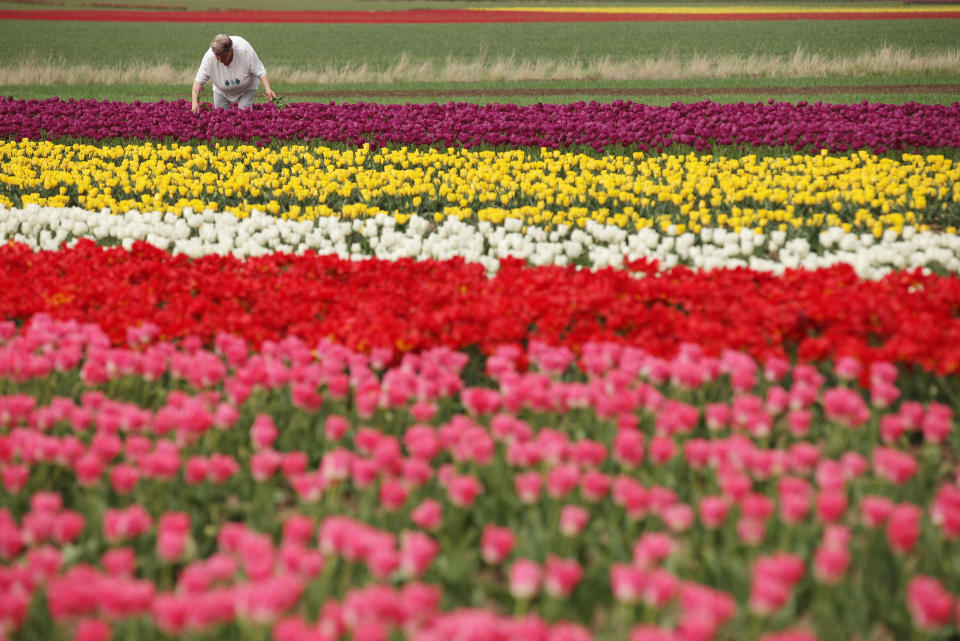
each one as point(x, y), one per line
point(359, 495)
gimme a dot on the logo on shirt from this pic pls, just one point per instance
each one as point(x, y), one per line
point(236, 81)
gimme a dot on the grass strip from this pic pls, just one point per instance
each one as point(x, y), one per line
point(299, 45)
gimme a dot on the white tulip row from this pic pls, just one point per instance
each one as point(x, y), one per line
point(594, 246)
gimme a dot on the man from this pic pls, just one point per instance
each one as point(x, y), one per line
point(235, 70)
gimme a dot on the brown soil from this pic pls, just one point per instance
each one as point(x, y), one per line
point(639, 91)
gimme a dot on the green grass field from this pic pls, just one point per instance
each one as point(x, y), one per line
point(100, 43)
point(41, 46)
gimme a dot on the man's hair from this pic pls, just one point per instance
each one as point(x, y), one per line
point(221, 44)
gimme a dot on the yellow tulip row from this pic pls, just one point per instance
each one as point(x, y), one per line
point(857, 191)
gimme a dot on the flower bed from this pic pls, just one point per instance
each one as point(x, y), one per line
point(800, 193)
point(315, 492)
point(311, 392)
point(403, 305)
point(595, 246)
point(838, 128)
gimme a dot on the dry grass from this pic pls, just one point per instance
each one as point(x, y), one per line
point(484, 68)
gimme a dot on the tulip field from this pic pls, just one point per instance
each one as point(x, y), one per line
point(463, 372)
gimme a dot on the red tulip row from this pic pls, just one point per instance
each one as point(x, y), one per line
point(906, 318)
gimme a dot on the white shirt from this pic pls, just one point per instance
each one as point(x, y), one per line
point(234, 79)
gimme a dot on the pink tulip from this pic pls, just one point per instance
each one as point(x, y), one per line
point(573, 519)
point(417, 551)
point(892, 427)
point(170, 612)
point(937, 423)
point(427, 515)
point(854, 465)
point(46, 502)
point(221, 468)
point(831, 506)
point(119, 561)
point(163, 463)
point(930, 605)
point(945, 510)
point(893, 465)
point(561, 576)
point(756, 506)
point(524, 578)
point(631, 495)
point(423, 411)
point(88, 469)
point(713, 511)
point(848, 368)
point(67, 526)
point(676, 417)
point(479, 401)
point(778, 400)
point(903, 527)
point(92, 630)
point(627, 582)
point(335, 426)
point(14, 477)
point(883, 394)
point(830, 563)
point(299, 529)
point(661, 588)
point(678, 517)
point(123, 524)
point(561, 480)
point(662, 449)
point(264, 464)
point(225, 416)
point(768, 595)
point(830, 475)
point(734, 484)
point(751, 531)
point(804, 457)
point(293, 463)
point(653, 548)
point(393, 494)
point(363, 472)
point(594, 485)
point(496, 543)
point(463, 489)
point(528, 486)
point(335, 465)
point(775, 368)
point(257, 555)
point(628, 448)
point(195, 471)
point(911, 413)
point(799, 421)
point(717, 416)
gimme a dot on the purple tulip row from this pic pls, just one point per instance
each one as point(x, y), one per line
point(703, 125)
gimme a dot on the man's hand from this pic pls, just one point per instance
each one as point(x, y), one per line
point(270, 94)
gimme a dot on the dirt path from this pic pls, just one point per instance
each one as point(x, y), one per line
point(639, 91)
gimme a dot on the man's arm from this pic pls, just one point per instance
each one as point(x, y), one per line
point(197, 90)
point(266, 87)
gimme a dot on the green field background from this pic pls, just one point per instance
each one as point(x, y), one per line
point(311, 46)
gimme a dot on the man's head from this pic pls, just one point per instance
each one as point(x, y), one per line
point(222, 47)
